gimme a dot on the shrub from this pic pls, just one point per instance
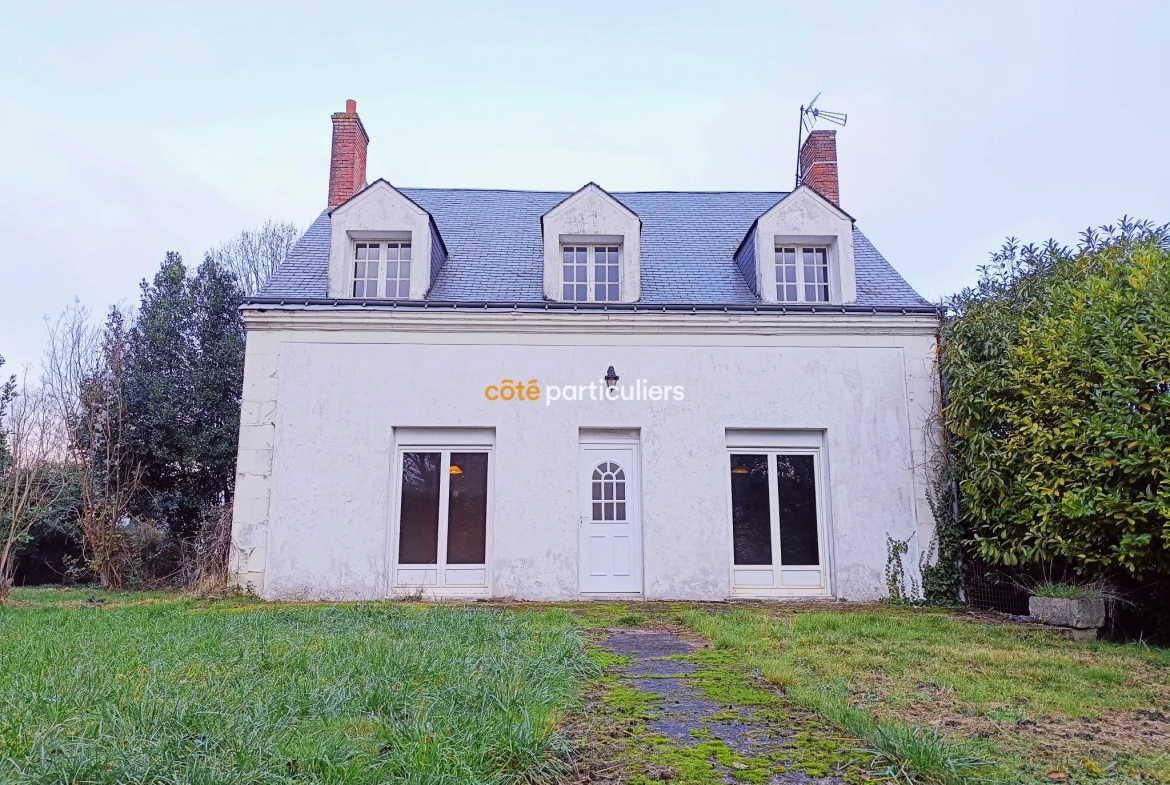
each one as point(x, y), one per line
point(1057, 368)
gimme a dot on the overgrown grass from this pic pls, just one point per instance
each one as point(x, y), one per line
point(899, 751)
point(182, 691)
point(866, 669)
point(1067, 591)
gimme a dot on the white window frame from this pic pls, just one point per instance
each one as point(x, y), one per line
point(383, 243)
point(770, 580)
point(446, 580)
point(591, 271)
point(802, 283)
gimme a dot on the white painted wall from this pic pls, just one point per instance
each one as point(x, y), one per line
point(804, 216)
point(592, 216)
point(324, 391)
point(379, 212)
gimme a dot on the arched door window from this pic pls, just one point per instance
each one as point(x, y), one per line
point(609, 493)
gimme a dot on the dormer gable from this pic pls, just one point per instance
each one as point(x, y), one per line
point(800, 250)
point(592, 249)
point(383, 246)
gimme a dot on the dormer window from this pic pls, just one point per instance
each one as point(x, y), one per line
point(591, 273)
point(381, 267)
point(802, 274)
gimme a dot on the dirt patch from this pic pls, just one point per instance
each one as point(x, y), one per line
point(1139, 731)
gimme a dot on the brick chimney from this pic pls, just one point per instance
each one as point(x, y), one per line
point(347, 165)
point(818, 164)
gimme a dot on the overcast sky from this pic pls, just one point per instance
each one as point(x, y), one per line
point(129, 130)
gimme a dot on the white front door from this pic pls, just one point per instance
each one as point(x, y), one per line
point(611, 519)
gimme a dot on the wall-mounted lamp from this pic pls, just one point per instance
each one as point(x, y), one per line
point(455, 469)
point(611, 378)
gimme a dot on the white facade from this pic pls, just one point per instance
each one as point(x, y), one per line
point(334, 396)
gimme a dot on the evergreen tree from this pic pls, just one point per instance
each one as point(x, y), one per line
point(185, 381)
point(217, 375)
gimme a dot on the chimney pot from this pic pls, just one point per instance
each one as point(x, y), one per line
point(818, 164)
point(347, 162)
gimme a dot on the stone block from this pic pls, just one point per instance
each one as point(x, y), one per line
point(1060, 612)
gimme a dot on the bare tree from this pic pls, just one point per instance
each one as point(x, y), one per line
point(85, 376)
point(28, 450)
point(256, 253)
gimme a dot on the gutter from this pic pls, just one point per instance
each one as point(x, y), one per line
point(342, 304)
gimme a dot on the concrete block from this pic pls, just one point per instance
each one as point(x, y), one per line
point(1060, 612)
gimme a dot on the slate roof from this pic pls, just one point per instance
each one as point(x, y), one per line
point(495, 251)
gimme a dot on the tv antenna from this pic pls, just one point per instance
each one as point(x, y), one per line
point(808, 119)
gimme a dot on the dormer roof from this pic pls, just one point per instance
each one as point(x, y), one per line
point(585, 189)
point(803, 187)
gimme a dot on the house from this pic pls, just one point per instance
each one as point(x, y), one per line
point(562, 395)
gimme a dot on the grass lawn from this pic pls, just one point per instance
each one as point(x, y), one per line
point(154, 688)
point(157, 688)
point(1038, 706)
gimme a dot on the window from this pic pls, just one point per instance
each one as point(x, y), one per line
point(591, 273)
point(778, 539)
point(609, 492)
point(802, 274)
point(443, 516)
point(381, 267)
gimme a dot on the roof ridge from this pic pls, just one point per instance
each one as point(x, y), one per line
point(570, 193)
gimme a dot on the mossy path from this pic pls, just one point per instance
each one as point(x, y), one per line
point(670, 709)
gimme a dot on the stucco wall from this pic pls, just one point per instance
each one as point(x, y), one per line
point(314, 501)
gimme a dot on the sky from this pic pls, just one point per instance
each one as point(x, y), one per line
point(129, 130)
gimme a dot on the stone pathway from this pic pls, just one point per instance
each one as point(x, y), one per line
point(685, 714)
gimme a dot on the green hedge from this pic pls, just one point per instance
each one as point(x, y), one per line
point(1057, 374)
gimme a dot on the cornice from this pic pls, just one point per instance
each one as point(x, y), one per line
point(625, 321)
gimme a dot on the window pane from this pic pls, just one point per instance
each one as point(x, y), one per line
point(392, 251)
point(786, 274)
point(613, 293)
point(404, 252)
point(599, 273)
point(359, 287)
point(581, 252)
point(599, 293)
point(467, 509)
point(371, 289)
point(359, 251)
point(373, 252)
point(418, 532)
point(568, 273)
point(567, 294)
point(797, 491)
point(404, 288)
point(404, 270)
point(582, 292)
point(750, 525)
point(372, 269)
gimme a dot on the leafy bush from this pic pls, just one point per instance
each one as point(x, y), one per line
point(1057, 368)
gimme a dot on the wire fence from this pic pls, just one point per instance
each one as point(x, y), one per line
point(993, 587)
